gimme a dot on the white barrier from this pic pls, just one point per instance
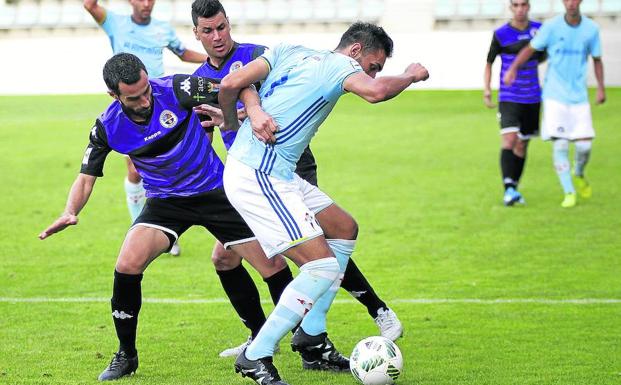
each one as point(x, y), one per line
point(73, 64)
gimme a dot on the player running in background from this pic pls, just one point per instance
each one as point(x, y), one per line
point(287, 214)
point(152, 121)
point(569, 39)
point(225, 55)
point(145, 37)
point(518, 104)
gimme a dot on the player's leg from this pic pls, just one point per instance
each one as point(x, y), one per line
point(583, 139)
point(141, 246)
point(509, 162)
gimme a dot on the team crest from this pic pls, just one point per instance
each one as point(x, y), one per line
point(235, 66)
point(168, 119)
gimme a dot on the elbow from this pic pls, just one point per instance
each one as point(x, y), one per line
point(230, 84)
point(379, 94)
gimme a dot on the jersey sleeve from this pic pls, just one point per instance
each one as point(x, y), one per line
point(595, 45)
point(273, 56)
point(338, 68)
point(494, 50)
point(192, 91)
point(541, 40)
point(96, 151)
point(174, 44)
point(110, 22)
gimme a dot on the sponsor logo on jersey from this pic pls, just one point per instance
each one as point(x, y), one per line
point(185, 86)
point(121, 315)
point(235, 66)
point(167, 119)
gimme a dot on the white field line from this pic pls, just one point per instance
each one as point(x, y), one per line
point(413, 301)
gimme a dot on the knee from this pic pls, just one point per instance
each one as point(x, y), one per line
point(520, 148)
point(224, 259)
point(130, 264)
point(348, 229)
point(271, 266)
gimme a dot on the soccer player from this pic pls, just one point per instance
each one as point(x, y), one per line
point(152, 121)
point(569, 39)
point(287, 214)
point(212, 28)
point(146, 38)
point(519, 104)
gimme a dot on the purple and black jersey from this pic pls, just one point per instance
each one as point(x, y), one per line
point(171, 152)
point(240, 55)
point(507, 42)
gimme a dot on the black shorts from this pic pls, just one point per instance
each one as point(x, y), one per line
point(211, 210)
point(519, 117)
point(306, 167)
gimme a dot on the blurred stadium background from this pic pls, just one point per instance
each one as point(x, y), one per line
point(54, 46)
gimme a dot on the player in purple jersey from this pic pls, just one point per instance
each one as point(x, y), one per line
point(152, 121)
point(519, 104)
point(146, 38)
point(225, 55)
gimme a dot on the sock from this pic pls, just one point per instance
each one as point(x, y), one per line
point(314, 323)
point(358, 286)
point(126, 301)
point(244, 296)
point(518, 168)
point(278, 282)
point(314, 279)
point(583, 153)
point(507, 167)
point(561, 164)
point(135, 198)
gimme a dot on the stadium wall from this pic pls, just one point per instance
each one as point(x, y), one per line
point(72, 64)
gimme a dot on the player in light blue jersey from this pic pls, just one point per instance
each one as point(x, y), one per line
point(286, 213)
point(145, 37)
point(569, 40)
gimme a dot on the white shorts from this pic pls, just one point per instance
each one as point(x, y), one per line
point(566, 121)
point(281, 214)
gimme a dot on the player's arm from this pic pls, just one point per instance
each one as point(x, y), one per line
point(232, 84)
point(191, 56)
point(78, 196)
point(522, 57)
point(385, 87)
point(598, 67)
point(97, 11)
point(494, 50)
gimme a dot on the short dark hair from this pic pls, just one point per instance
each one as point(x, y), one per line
point(206, 8)
point(370, 36)
point(122, 67)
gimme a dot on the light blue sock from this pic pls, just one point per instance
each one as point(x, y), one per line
point(135, 198)
point(314, 323)
point(561, 164)
point(296, 300)
point(583, 153)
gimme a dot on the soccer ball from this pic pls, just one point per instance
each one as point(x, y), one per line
point(376, 361)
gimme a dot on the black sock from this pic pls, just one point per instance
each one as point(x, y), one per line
point(507, 167)
point(244, 296)
point(278, 282)
point(126, 301)
point(519, 167)
point(358, 286)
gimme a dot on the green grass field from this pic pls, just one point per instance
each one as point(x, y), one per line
point(420, 174)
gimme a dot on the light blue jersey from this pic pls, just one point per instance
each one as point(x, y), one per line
point(145, 41)
point(300, 91)
point(568, 49)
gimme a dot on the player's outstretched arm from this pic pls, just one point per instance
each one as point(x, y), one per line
point(97, 11)
point(522, 57)
point(385, 87)
point(78, 196)
point(191, 56)
point(233, 83)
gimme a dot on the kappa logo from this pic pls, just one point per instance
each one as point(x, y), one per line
point(168, 119)
point(121, 315)
point(87, 155)
point(307, 305)
point(186, 86)
point(235, 66)
point(94, 131)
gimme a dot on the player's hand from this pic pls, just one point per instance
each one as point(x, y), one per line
point(420, 73)
point(487, 99)
point(213, 112)
point(601, 96)
point(263, 125)
point(509, 77)
point(60, 224)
